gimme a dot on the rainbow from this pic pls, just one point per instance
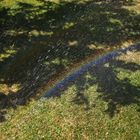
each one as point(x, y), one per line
point(70, 78)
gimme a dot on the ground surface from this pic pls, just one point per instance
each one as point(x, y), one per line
point(104, 103)
point(43, 41)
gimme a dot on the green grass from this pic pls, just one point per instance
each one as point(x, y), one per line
point(40, 40)
point(91, 108)
point(31, 28)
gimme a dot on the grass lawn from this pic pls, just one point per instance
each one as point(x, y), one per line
point(102, 104)
point(40, 41)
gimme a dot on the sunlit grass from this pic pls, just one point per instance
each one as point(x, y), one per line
point(8, 89)
point(135, 8)
point(13, 3)
point(7, 53)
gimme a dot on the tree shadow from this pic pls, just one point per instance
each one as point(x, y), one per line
point(40, 41)
point(114, 91)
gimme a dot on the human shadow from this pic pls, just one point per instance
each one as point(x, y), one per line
point(40, 41)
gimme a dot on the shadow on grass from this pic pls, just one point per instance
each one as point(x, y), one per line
point(116, 92)
point(40, 41)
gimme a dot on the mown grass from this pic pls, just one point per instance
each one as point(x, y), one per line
point(38, 34)
point(87, 109)
point(40, 40)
